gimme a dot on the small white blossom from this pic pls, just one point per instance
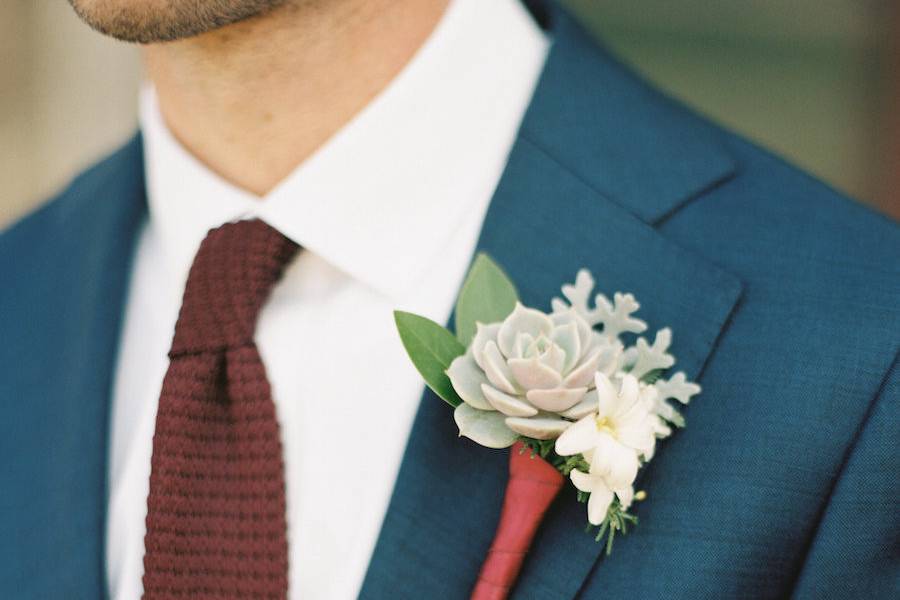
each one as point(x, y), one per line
point(615, 437)
point(602, 489)
point(618, 431)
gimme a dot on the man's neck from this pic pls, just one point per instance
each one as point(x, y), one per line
point(255, 99)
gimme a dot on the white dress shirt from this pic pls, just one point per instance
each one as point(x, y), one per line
point(388, 213)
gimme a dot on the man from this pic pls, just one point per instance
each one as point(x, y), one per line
point(389, 141)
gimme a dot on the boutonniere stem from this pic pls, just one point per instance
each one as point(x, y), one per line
point(532, 486)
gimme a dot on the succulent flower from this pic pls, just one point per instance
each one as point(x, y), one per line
point(530, 375)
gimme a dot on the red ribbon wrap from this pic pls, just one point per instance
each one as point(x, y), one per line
point(533, 484)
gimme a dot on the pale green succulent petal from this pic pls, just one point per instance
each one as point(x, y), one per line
point(539, 428)
point(569, 315)
point(522, 320)
point(510, 406)
point(586, 406)
point(531, 373)
point(496, 369)
point(554, 357)
point(467, 378)
point(523, 343)
point(586, 333)
point(483, 335)
point(566, 337)
point(484, 427)
point(583, 374)
point(556, 400)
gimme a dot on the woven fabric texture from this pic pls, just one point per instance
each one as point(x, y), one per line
point(216, 511)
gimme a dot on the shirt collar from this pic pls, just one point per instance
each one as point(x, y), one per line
point(381, 198)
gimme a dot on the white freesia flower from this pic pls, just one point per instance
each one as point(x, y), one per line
point(602, 487)
point(530, 375)
point(621, 425)
point(621, 431)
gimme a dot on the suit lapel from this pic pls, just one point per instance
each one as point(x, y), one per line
point(55, 507)
point(597, 161)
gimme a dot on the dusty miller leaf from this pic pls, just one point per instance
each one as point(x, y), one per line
point(648, 358)
point(615, 316)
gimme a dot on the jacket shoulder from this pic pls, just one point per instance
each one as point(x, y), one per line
point(796, 222)
point(52, 260)
point(83, 198)
point(65, 228)
point(820, 271)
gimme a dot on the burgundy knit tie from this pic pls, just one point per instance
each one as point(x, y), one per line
point(216, 510)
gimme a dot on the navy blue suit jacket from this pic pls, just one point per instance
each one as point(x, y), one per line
point(785, 302)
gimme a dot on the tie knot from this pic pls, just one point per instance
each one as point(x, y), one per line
point(231, 277)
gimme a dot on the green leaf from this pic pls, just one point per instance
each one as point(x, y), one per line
point(487, 296)
point(431, 349)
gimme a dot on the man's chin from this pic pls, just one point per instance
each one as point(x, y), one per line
point(152, 21)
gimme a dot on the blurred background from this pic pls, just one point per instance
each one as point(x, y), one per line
point(817, 81)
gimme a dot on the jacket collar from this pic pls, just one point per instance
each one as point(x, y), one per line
point(599, 159)
point(616, 134)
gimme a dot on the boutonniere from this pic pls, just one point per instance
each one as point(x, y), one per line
point(574, 392)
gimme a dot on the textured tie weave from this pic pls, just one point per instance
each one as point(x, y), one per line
point(216, 510)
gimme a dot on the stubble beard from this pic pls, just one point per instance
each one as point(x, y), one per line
point(146, 22)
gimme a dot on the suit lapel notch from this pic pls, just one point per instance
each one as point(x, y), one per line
point(625, 140)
